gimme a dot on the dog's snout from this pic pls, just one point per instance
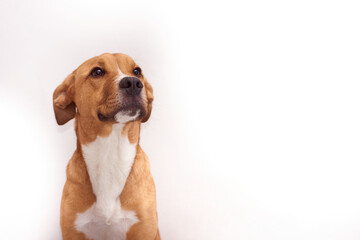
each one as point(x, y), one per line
point(131, 85)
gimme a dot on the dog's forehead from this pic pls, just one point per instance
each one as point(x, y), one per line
point(110, 62)
point(124, 61)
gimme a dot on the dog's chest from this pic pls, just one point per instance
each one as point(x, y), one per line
point(109, 161)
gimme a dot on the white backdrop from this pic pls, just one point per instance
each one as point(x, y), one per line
point(255, 129)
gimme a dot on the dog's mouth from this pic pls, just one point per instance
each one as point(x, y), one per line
point(128, 111)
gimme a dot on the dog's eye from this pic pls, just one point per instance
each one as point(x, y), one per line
point(97, 72)
point(137, 71)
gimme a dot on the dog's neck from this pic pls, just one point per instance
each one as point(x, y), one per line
point(109, 160)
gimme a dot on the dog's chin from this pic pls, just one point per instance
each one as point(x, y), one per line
point(128, 115)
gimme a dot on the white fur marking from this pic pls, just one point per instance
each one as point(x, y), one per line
point(120, 77)
point(124, 117)
point(109, 161)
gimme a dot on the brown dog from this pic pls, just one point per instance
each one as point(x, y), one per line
point(109, 192)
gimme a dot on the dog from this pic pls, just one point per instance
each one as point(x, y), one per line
point(109, 192)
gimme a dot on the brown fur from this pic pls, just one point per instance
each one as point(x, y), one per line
point(82, 96)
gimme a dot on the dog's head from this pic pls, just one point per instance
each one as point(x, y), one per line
point(106, 89)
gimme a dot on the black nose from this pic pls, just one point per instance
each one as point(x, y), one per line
point(132, 85)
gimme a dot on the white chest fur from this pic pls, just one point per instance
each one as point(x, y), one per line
point(109, 161)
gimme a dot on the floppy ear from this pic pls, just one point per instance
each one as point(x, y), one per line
point(64, 106)
point(150, 99)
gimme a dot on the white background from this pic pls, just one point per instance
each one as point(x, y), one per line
point(255, 130)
